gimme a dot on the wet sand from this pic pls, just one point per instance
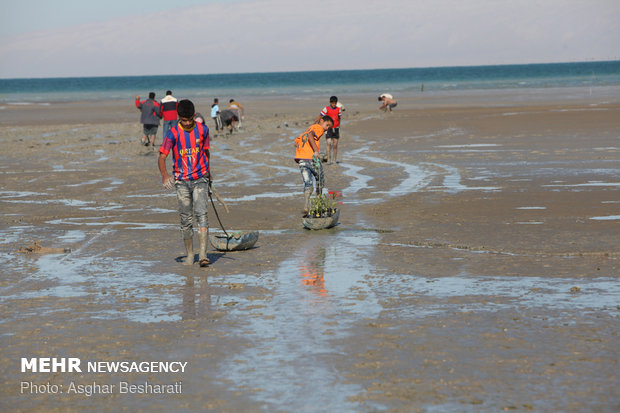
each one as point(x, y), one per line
point(475, 267)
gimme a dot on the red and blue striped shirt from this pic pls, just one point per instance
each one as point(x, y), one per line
point(188, 151)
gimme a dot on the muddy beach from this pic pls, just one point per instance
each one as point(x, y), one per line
point(475, 266)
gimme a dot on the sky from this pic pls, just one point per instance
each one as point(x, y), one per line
point(71, 38)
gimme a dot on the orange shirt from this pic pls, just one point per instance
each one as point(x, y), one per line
point(304, 150)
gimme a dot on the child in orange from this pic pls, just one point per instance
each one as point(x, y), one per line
point(307, 150)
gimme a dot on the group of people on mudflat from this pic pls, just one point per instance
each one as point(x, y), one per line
point(152, 111)
point(186, 135)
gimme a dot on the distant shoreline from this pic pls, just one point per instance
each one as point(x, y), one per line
point(596, 61)
point(401, 82)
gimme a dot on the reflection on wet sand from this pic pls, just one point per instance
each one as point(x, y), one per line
point(312, 269)
point(197, 296)
point(319, 292)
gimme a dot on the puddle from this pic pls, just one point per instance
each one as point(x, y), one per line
point(100, 223)
point(56, 168)
point(452, 181)
point(20, 194)
point(118, 288)
point(495, 293)
point(114, 183)
point(359, 182)
point(468, 146)
point(317, 294)
point(157, 210)
point(261, 195)
point(67, 202)
point(418, 177)
point(14, 235)
point(244, 174)
point(72, 236)
point(606, 218)
point(168, 194)
point(587, 184)
point(108, 207)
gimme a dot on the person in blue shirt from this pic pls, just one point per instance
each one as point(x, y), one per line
point(215, 114)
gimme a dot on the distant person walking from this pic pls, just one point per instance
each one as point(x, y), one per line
point(189, 142)
point(149, 117)
point(169, 111)
point(333, 133)
point(389, 102)
point(215, 114)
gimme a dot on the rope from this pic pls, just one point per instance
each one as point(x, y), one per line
point(219, 220)
point(318, 166)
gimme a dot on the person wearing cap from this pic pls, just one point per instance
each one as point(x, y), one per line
point(189, 142)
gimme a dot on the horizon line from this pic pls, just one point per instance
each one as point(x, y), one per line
point(593, 60)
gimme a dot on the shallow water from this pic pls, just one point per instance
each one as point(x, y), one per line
point(327, 286)
point(606, 218)
point(317, 294)
point(494, 293)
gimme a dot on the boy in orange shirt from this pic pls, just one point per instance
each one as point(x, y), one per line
point(307, 151)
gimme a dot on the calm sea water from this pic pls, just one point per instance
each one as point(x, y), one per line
point(400, 81)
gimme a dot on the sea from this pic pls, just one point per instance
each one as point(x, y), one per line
point(601, 75)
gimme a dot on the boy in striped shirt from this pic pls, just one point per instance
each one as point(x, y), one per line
point(189, 142)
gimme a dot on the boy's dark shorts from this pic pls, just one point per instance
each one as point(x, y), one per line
point(333, 133)
point(150, 130)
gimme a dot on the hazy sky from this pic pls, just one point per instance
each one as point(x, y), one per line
point(39, 38)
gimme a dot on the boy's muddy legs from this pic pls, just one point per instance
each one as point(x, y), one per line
point(189, 248)
point(330, 151)
point(307, 194)
point(202, 253)
point(335, 150)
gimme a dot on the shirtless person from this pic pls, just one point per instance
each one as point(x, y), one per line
point(389, 102)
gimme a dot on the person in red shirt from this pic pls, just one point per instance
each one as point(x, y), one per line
point(333, 134)
point(169, 111)
point(308, 150)
point(189, 142)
